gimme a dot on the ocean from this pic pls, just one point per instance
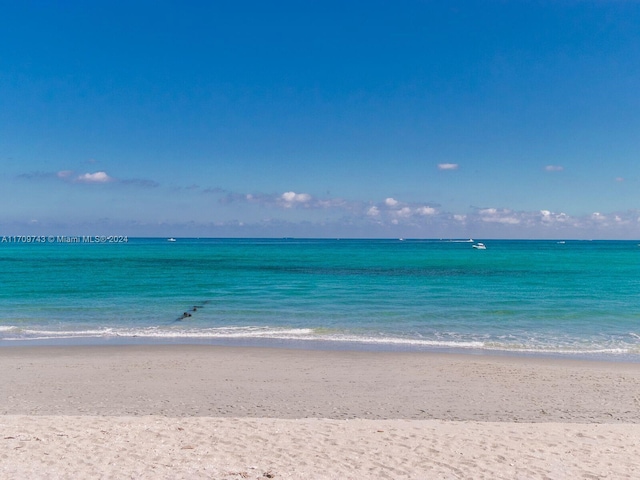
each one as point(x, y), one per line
point(572, 298)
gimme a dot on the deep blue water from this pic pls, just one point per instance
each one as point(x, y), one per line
point(539, 297)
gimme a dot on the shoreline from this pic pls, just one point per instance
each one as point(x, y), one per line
point(317, 345)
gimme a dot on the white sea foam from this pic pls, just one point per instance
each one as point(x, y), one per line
point(12, 333)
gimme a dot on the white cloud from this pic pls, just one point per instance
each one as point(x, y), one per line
point(390, 216)
point(547, 217)
point(397, 212)
point(290, 199)
point(404, 212)
point(499, 216)
point(296, 197)
point(488, 211)
point(98, 177)
point(447, 166)
point(373, 212)
point(554, 168)
point(426, 211)
point(293, 197)
point(287, 200)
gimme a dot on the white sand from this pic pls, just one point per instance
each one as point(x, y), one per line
point(160, 447)
point(211, 412)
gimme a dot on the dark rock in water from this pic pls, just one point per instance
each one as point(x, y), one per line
point(184, 315)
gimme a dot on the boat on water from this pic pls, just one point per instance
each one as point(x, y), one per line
point(479, 246)
point(171, 239)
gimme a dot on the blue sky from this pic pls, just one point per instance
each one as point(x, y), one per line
point(321, 118)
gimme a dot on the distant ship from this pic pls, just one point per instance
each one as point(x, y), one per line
point(171, 239)
point(479, 246)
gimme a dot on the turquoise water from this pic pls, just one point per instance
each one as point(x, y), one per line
point(538, 297)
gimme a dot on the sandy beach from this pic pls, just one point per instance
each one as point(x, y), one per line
point(223, 412)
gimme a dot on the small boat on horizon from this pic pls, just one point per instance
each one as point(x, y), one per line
point(479, 246)
point(171, 239)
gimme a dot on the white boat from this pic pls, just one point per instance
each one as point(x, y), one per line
point(479, 246)
point(171, 239)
